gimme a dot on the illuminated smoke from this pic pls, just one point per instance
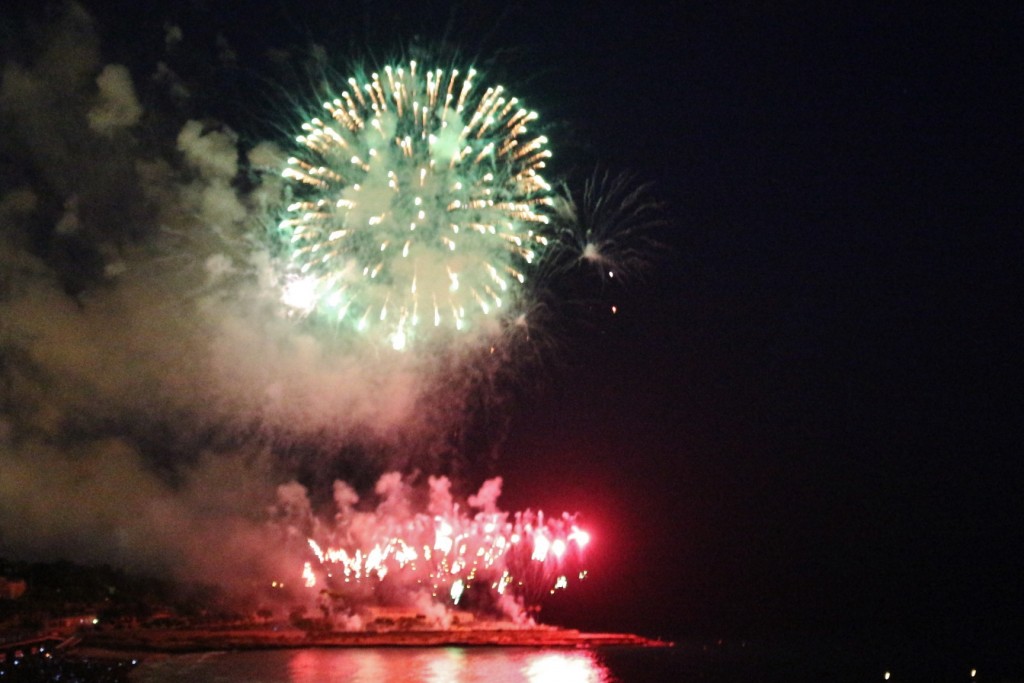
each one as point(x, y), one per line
point(478, 557)
point(154, 391)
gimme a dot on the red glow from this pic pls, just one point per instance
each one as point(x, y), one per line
point(524, 555)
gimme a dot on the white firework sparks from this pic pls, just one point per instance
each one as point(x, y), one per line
point(418, 205)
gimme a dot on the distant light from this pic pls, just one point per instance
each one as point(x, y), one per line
point(95, 621)
point(615, 309)
point(974, 672)
point(886, 676)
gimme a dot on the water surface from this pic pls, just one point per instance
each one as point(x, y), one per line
point(372, 665)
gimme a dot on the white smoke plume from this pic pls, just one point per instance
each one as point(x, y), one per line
point(117, 107)
point(150, 385)
point(154, 392)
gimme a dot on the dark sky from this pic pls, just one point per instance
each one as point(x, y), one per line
point(807, 417)
point(811, 418)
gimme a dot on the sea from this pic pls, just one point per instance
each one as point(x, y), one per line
point(715, 662)
point(719, 661)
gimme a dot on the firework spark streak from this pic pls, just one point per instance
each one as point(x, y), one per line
point(418, 205)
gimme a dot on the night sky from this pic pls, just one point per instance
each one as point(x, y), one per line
point(806, 417)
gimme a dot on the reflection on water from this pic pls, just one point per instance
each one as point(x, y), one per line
point(573, 667)
point(402, 665)
point(443, 665)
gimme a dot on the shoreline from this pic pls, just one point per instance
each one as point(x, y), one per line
point(182, 641)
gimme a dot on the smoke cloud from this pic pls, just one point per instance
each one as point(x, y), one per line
point(153, 392)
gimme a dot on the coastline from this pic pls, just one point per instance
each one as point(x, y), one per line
point(180, 641)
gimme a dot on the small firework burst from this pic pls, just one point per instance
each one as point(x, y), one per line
point(609, 226)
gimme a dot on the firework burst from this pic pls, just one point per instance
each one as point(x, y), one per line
point(418, 205)
point(474, 556)
point(608, 226)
